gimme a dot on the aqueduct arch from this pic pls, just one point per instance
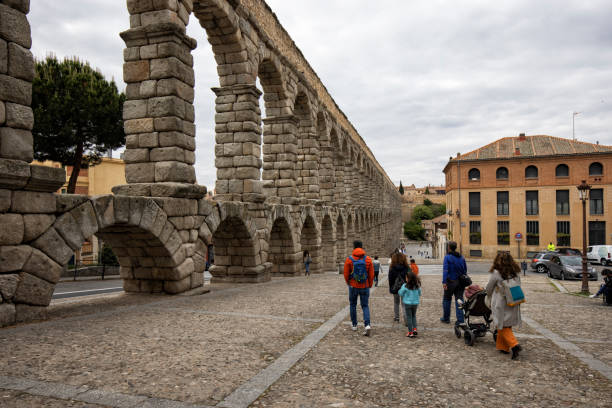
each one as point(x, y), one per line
point(309, 183)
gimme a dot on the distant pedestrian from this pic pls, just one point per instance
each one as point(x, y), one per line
point(454, 265)
point(551, 247)
point(410, 293)
point(414, 267)
point(307, 261)
point(503, 273)
point(376, 263)
point(359, 276)
point(524, 267)
point(397, 272)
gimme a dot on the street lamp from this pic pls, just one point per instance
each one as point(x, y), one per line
point(583, 190)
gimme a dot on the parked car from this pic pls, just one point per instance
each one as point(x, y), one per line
point(569, 251)
point(539, 262)
point(568, 267)
point(601, 254)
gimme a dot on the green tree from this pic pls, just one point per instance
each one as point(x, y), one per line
point(77, 114)
point(107, 256)
point(427, 190)
point(438, 209)
point(427, 202)
point(422, 212)
point(413, 230)
point(401, 188)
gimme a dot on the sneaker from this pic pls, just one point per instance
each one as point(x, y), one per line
point(444, 321)
point(354, 328)
point(414, 332)
point(396, 319)
point(592, 296)
point(515, 352)
point(409, 334)
point(367, 331)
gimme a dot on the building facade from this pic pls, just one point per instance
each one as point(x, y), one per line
point(414, 196)
point(527, 185)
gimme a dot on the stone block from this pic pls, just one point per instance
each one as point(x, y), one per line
point(14, 174)
point(136, 156)
point(66, 202)
point(149, 215)
point(135, 189)
point(147, 89)
point(43, 267)
point(33, 291)
point(177, 286)
point(181, 190)
point(19, 116)
point(15, 90)
point(85, 218)
point(134, 109)
point(16, 144)
point(148, 140)
point(139, 6)
point(185, 269)
point(12, 258)
point(46, 179)
point(137, 205)
point(166, 106)
point(104, 209)
point(8, 286)
point(52, 244)
point(136, 71)
point(2, 113)
point(172, 67)
point(20, 5)
point(174, 171)
point(151, 286)
point(7, 314)
point(5, 200)
point(32, 202)
point(197, 280)
point(11, 232)
point(68, 228)
point(148, 51)
point(170, 124)
point(29, 313)
point(14, 25)
point(131, 285)
point(140, 172)
point(168, 154)
point(161, 16)
point(173, 86)
point(144, 125)
point(20, 62)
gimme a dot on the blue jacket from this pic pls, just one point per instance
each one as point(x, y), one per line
point(454, 265)
point(410, 296)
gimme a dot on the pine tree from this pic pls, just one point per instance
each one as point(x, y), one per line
point(77, 114)
point(401, 188)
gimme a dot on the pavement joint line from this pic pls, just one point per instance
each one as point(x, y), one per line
point(88, 395)
point(571, 348)
point(248, 392)
point(247, 315)
point(559, 286)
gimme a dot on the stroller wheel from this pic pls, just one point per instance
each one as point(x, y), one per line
point(468, 337)
point(495, 336)
point(457, 332)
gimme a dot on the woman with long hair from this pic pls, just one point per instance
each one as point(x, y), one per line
point(504, 316)
point(398, 269)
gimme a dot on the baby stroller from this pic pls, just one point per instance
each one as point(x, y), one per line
point(474, 306)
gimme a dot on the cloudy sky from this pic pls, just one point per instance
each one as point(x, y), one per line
point(420, 80)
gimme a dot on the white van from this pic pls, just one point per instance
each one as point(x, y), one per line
point(600, 254)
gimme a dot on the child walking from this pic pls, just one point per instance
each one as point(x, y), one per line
point(410, 293)
point(307, 262)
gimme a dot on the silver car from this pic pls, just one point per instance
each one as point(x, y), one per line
point(568, 267)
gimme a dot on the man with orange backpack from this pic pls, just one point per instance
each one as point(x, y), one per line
point(359, 276)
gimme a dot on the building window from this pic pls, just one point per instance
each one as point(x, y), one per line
point(501, 173)
point(533, 233)
point(596, 200)
point(476, 253)
point(563, 233)
point(474, 203)
point(474, 174)
point(562, 202)
point(562, 171)
point(531, 202)
point(475, 236)
point(596, 169)
point(503, 232)
point(503, 207)
point(531, 172)
point(597, 232)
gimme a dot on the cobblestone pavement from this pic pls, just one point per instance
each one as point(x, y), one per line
point(288, 343)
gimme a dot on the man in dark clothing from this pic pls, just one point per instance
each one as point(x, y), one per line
point(354, 266)
point(454, 265)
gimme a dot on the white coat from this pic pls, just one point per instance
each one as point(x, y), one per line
point(502, 314)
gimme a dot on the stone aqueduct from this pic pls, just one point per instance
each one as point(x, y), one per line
point(312, 184)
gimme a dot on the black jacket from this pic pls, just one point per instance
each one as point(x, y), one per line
point(396, 271)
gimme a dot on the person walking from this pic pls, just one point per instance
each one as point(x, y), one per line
point(551, 247)
point(397, 271)
point(414, 267)
point(307, 261)
point(504, 316)
point(454, 265)
point(359, 276)
point(376, 263)
point(410, 293)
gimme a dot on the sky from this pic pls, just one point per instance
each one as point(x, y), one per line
point(420, 80)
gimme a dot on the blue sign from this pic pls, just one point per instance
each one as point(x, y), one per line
point(518, 236)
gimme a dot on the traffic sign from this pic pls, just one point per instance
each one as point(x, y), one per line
point(518, 236)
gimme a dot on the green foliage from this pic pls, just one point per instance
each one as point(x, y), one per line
point(107, 256)
point(77, 114)
point(427, 190)
point(401, 188)
point(422, 212)
point(438, 209)
point(427, 202)
point(413, 230)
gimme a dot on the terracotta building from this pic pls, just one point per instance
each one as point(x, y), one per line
point(527, 185)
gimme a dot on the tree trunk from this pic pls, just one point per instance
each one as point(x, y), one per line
point(76, 168)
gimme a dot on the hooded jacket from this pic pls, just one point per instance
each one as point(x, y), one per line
point(454, 265)
point(359, 253)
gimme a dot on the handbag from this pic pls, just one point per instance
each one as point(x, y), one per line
point(513, 292)
point(465, 280)
point(397, 285)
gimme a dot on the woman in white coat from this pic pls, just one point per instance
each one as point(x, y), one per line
point(504, 317)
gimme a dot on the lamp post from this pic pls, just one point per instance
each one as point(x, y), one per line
point(583, 190)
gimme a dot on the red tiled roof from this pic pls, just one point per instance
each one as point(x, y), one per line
point(532, 146)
